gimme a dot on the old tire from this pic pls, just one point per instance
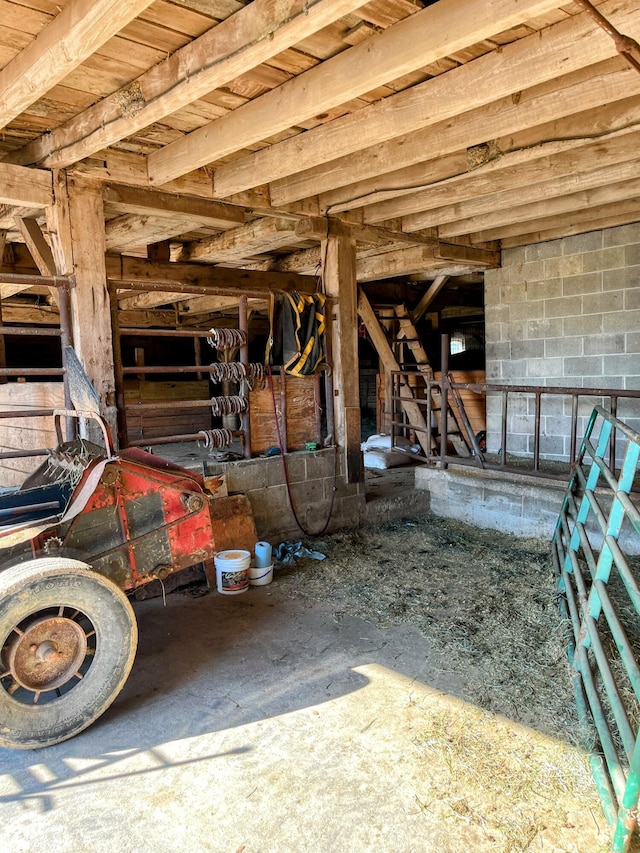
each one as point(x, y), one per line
point(68, 638)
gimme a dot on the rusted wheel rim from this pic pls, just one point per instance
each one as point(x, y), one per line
point(46, 653)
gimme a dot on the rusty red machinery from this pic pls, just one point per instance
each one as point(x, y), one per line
point(86, 528)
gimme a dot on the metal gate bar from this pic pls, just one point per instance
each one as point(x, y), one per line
point(587, 556)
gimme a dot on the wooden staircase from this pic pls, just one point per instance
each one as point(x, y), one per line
point(394, 335)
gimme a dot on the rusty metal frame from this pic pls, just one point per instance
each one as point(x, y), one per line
point(64, 285)
point(120, 371)
point(627, 47)
point(506, 392)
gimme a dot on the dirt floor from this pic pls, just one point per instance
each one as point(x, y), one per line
point(486, 599)
point(486, 603)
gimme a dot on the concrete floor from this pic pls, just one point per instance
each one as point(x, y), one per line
point(252, 724)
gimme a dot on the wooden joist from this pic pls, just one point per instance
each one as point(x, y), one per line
point(72, 36)
point(601, 186)
point(222, 281)
point(262, 235)
point(587, 89)
point(433, 206)
point(567, 46)
point(255, 34)
point(30, 188)
point(147, 202)
point(130, 231)
point(425, 37)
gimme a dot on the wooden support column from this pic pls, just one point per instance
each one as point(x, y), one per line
point(340, 284)
point(79, 239)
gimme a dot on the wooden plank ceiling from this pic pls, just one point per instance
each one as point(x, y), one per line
point(238, 134)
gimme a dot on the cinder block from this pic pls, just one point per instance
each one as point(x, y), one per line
point(351, 508)
point(603, 382)
point(622, 235)
point(544, 368)
point(493, 371)
point(496, 313)
point(631, 298)
point(583, 365)
point(621, 365)
point(580, 243)
point(269, 504)
point(568, 306)
point(497, 351)
point(551, 405)
point(514, 370)
point(621, 279)
point(246, 475)
point(519, 424)
point(604, 259)
point(554, 425)
point(632, 383)
point(563, 266)
point(540, 251)
point(603, 303)
point(533, 270)
point(343, 489)
point(527, 349)
point(296, 467)
point(544, 328)
point(513, 292)
point(274, 471)
point(547, 289)
point(519, 311)
point(632, 255)
point(603, 344)
point(632, 342)
point(591, 324)
point(621, 321)
point(493, 331)
point(493, 279)
point(513, 256)
point(321, 463)
point(562, 346)
point(576, 285)
point(517, 444)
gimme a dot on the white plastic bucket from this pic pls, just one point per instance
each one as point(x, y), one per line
point(260, 575)
point(232, 571)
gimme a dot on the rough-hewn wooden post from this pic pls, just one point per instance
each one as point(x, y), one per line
point(78, 240)
point(340, 283)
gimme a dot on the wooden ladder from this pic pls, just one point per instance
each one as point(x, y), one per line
point(379, 325)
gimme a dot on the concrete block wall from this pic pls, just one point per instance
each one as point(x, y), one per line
point(312, 480)
point(563, 313)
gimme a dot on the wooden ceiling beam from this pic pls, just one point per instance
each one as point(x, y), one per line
point(410, 44)
point(147, 202)
point(220, 280)
point(257, 237)
point(213, 304)
point(575, 222)
point(32, 188)
point(568, 46)
point(586, 89)
point(506, 175)
point(72, 36)
point(526, 210)
point(514, 149)
point(255, 34)
point(549, 177)
point(132, 231)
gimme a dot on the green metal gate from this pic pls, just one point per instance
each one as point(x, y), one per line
point(594, 537)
